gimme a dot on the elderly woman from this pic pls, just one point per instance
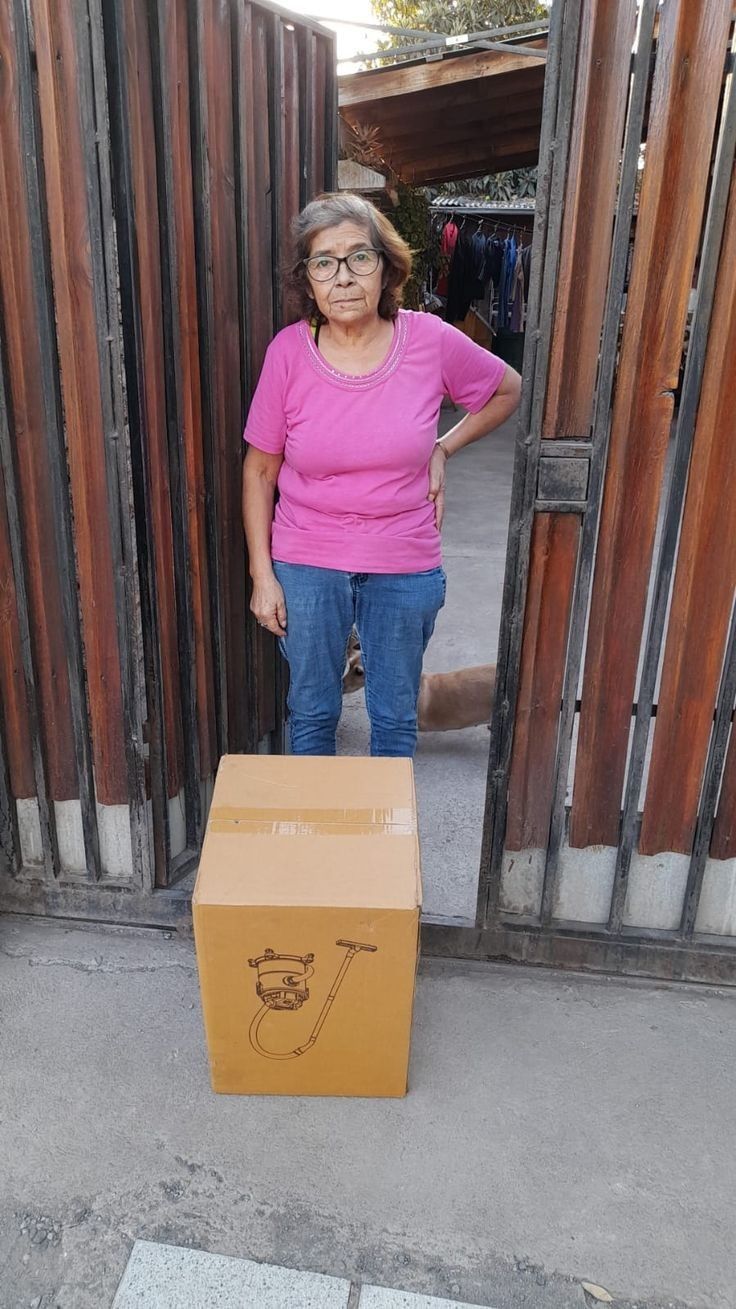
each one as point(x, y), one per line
point(343, 424)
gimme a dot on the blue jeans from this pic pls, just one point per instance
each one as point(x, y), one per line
point(395, 615)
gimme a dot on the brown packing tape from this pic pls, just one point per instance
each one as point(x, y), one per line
point(388, 815)
point(282, 827)
point(289, 821)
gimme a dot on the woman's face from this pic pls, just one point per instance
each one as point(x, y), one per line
point(347, 298)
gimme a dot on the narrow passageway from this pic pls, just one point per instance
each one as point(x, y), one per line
point(451, 766)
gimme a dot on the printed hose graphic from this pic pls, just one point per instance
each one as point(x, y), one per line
point(282, 984)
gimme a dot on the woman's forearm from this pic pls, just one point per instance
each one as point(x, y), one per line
point(473, 426)
point(259, 489)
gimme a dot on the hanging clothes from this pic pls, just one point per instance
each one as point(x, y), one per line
point(494, 259)
point(481, 274)
point(507, 272)
point(526, 262)
point(448, 240)
point(465, 282)
point(516, 311)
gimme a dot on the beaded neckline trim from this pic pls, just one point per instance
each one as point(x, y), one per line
point(367, 380)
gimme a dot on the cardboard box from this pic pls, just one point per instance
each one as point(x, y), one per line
point(306, 921)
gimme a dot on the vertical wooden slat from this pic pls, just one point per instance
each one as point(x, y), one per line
point(704, 585)
point(284, 143)
point(199, 129)
point(289, 143)
point(66, 194)
point(16, 725)
point(260, 183)
point(599, 109)
point(140, 117)
point(182, 290)
point(223, 346)
point(595, 150)
point(25, 368)
point(16, 758)
point(317, 119)
point(12, 838)
point(692, 42)
point(723, 841)
point(553, 558)
point(119, 40)
point(9, 835)
point(256, 162)
point(247, 198)
point(712, 778)
point(306, 117)
point(127, 843)
point(329, 44)
point(242, 63)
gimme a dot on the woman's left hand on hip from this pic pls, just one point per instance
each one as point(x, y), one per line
point(437, 478)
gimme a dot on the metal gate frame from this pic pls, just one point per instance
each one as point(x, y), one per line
point(544, 483)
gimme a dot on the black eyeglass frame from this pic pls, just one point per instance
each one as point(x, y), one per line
point(344, 259)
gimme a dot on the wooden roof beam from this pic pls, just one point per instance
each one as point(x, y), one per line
point(384, 83)
point(520, 143)
point(447, 132)
point(459, 101)
point(432, 176)
point(453, 164)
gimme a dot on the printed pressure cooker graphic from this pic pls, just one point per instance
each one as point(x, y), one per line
point(282, 984)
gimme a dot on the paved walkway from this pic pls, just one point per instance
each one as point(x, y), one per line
point(558, 1129)
point(167, 1277)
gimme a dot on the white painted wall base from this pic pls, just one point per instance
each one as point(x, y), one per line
point(116, 846)
point(522, 877)
point(177, 825)
point(585, 883)
point(70, 836)
point(114, 832)
point(656, 890)
point(717, 908)
point(29, 831)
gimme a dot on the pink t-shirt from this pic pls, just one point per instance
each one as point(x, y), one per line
point(354, 481)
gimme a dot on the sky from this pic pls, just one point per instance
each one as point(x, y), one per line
point(350, 40)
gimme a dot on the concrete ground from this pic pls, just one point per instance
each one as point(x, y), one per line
point(451, 767)
point(558, 1129)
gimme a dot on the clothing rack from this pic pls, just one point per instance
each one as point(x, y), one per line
point(468, 210)
point(483, 213)
point(495, 259)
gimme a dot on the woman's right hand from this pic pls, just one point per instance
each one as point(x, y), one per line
point(268, 605)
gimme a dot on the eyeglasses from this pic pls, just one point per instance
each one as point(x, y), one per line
point(322, 268)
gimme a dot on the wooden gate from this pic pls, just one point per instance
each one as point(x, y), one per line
point(152, 155)
point(610, 836)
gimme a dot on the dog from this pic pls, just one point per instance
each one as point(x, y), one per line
point(450, 701)
point(447, 702)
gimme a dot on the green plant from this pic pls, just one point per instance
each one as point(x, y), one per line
point(457, 15)
point(410, 217)
point(519, 184)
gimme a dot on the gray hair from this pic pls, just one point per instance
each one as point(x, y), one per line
point(329, 210)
